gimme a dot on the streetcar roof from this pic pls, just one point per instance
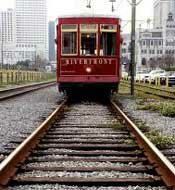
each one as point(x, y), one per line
point(84, 15)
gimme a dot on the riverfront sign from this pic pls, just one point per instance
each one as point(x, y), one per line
point(87, 61)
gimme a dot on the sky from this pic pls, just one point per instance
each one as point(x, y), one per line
point(144, 10)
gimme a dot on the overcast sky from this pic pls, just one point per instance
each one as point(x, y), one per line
point(122, 9)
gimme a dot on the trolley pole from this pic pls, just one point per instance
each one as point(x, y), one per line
point(133, 37)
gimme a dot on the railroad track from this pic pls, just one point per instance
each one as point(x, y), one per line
point(157, 91)
point(18, 91)
point(83, 149)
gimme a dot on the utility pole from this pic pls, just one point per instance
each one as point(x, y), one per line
point(133, 38)
point(2, 42)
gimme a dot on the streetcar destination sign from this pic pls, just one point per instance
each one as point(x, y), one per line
point(87, 61)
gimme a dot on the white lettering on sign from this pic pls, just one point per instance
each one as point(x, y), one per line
point(74, 61)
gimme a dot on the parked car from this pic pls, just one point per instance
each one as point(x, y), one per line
point(171, 80)
point(156, 73)
point(140, 75)
point(124, 74)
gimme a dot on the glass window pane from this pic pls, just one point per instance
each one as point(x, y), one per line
point(108, 44)
point(69, 27)
point(88, 44)
point(85, 27)
point(108, 27)
point(69, 43)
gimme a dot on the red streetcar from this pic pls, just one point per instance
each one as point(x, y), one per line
point(88, 53)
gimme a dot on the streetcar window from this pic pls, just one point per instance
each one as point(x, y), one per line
point(109, 27)
point(88, 38)
point(69, 43)
point(90, 27)
point(108, 44)
point(88, 44)
point(69, 39)
point(108, 40)
point(69, 27)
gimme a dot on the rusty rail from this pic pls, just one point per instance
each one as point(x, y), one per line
point(17, 91)
point(162, 165)
point(9, 166)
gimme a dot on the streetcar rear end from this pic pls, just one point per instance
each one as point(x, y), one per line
point(88, 53)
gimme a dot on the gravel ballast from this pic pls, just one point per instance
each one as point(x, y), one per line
point(65, 187)
point(23, 114)
point(151, 118)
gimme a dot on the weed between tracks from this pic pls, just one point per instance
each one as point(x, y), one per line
point(118, 126)
point(166, 108)
point(159, 139)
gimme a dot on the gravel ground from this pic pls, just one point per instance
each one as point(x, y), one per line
point(101, 174)
point(23, 114)
point(64, 187)
point(83, 164)
point(150, 118)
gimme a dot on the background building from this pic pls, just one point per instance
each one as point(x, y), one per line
point(161, 10)
point(126, 52)
point(7, 36)
point(52, 57)
point(156, 47)
point(31, 30)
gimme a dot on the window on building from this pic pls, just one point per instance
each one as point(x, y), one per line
point(143, 43)
point(151, 43)
point(88, 39)
point(123, 50)
point(69, 39)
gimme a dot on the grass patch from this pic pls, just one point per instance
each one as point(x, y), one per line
point(164, 108)
point(168, 109)
point(159, 139)
point(118, 126)
point(129, 141)
point(150, 106)
point(142, 126)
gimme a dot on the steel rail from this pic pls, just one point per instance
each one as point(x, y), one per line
point(8, 167)
point(162, 165)
point(13, 92)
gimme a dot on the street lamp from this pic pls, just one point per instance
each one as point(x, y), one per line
point(88, 4)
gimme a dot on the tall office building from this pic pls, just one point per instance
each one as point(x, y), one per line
point(52, 41)
point(7, 36)
point(31, 29)
point(161, 10)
